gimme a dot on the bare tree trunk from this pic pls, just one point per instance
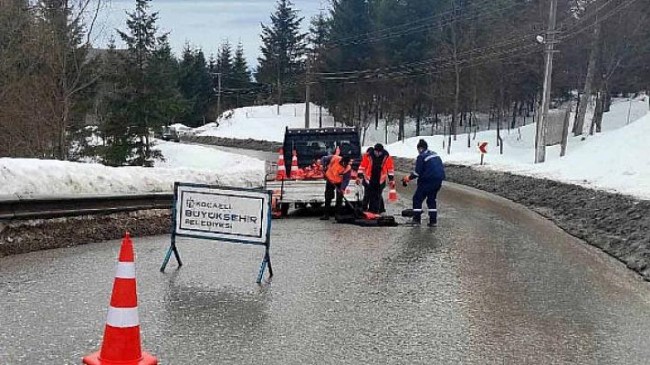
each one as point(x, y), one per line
point(454, 44)
point(490, 116)
point(417, 120)
point(565, 131)
point(456, 100)
point(596, 122)
point(591, 72)
point(63, 153)
point(402, 116)
point(469, 131)
point(377, 114)
point(386, 130)
point(499, 127)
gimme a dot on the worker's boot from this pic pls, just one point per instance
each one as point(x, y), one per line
point(416, 221)
point(433, 218)
point(326, 214)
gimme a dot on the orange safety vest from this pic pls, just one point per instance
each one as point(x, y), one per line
point(335, 170)
point(365, 162)
point(387, 168)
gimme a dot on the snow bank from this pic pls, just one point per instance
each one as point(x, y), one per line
point(615, 160)
point(180, 127)
point(185, 163)
point(263, 122)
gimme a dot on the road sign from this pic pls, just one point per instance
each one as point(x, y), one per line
point(483, 147)
point(221, 213)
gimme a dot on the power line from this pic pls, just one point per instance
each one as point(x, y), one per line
point(600, 19)
point(442, 23)
point(512, 41)
point(348, 75)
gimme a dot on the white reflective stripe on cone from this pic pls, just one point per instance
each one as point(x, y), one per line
point(125, 270)
point(122, 317)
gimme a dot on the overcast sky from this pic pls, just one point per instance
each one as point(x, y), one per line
point(205, 23)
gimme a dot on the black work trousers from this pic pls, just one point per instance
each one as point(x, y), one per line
point(375, 199)
point(330, 191)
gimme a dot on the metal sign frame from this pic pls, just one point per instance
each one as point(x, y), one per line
point(263, 239)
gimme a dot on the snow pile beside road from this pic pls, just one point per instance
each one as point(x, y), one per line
point(615, 160)
point(262, 122)
point(184, 163)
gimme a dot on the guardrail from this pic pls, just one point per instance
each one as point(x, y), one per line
point(13, 208)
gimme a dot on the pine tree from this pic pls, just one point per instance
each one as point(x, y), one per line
point(145, 97)
point(351, 50)
point(118, 138)
point(241, 77)
point(283, 48)
point(162, 76)
point(225, 64)
point(318, 37)
point(195, 84)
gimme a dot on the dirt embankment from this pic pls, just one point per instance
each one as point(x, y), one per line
point(249, 144)
point(26, 236)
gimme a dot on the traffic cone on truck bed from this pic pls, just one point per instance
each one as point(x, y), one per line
point(282, 169)
point(295, 174)
point(121, 344)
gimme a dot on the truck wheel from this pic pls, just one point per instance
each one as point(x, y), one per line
point(301, 205)
point(284, 209)
point(316, 205)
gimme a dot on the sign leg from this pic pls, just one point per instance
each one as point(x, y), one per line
point(173, 249)
point(261, 274)
point(268, 259)
point(166, 260)
point(177, 255)
point(265, 262)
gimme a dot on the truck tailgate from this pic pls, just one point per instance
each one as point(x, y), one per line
point(309, 191)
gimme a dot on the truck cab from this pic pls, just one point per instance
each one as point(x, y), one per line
point(310, 146)
point(316, 143)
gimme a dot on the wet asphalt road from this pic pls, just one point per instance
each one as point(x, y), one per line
point(493, 284)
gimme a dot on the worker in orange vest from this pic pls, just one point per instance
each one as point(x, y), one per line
point(337, 177)
point(377, 171)
point(365, 162)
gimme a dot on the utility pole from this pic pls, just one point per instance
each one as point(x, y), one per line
point(540, 140)
point(218, 96)
point(307, 93)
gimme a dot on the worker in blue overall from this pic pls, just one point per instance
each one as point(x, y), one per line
point(430, 172)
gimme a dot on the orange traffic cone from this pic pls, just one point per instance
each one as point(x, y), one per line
point(121, 344)
point(392, 193)
point(294, 166)
point(282, 169)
